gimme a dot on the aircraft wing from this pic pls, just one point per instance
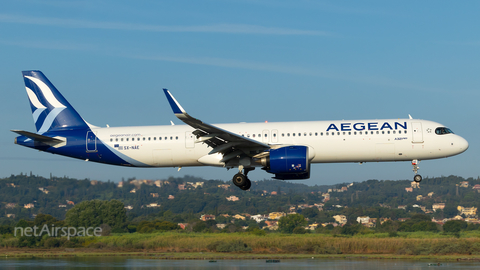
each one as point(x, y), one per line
point(222, 141)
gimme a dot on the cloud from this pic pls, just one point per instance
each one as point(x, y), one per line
point(215, 28)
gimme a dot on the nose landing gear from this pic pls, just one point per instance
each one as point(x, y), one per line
point(241, 180)
point(417, 178)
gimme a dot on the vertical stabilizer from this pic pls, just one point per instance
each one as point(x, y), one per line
point(51, 111)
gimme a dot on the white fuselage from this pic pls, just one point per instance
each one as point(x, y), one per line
point(328, 141)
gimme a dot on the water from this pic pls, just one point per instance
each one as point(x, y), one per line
point(147, 263)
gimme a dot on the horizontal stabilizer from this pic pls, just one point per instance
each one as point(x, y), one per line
point(38, 137)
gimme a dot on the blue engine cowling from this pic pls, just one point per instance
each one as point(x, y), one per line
point(289, 163)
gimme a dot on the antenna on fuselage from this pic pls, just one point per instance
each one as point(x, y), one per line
point(409, 116)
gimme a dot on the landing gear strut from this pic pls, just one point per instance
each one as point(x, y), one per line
point(417, 178)
point(241, 180)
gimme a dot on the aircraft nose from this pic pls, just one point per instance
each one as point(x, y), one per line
point(462, 144)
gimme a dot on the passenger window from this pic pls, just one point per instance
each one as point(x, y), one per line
point(394, 132)
point(388, 132)
point(316, 134)
point(349, 133)
point(377, 132)
point(383, 132)
point(333, 133)
point(111, 140)
point(171, 138)
point(321, 133)
point(176, 138)
point(288, 134)
point(121, 139)
point(154, 138)
point(293, 134)
point(310, 134)
point(127, 139)
point(354, 133)
point(159, 138)
point(305, 134)
point(326, 133)
point(144, 138)
point(149, 138)
point(338, 133)
point(265, 135)
point(299, 134)
point(274, 135)
point(253, 135)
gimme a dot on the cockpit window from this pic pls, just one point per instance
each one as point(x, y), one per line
point(442, 131)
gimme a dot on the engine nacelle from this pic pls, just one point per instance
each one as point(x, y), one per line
point(288, 163)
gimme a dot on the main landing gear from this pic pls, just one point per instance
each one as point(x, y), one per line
point(417, 178)
point(241, 180)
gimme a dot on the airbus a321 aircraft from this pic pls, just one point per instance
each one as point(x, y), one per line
point(285, 149)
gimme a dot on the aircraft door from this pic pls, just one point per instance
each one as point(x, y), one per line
point(417, 136)
point(189, 140)
point(91, 141)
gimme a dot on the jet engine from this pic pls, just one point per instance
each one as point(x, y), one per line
point(288, 163)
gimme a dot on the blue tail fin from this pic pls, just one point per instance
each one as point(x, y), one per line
point(51, 111)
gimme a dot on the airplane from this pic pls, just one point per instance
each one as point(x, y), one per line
point(284, 149)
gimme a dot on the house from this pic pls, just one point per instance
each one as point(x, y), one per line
point(259, 218)
point(312, 227)
point(10, 185)
point(154, 195)
point(133, 191)
point(239, 217)
point(476, 187)
point(419, 197)
point(120, 185)
point(430, 194)
point(404, 207)
point(341, 219)
point(196, 184)
point(232, 198)
point(363, 220)
point(409, 189)
point(207, 217)
point(62, 206)
point(273, 193)
point(467, 211)
point(464, 184)
point(224, 186)
point(438, 206)
point(182, 225)
point(344, 188)
point(171, 197)
point(28, 205)
point(181, 187)
point(403, 219)
point(70, 202)
point(276, 215)
point(94, 182)
point(414, 184)
point(10, 205)
point(10, 215)
point(221, 226)
point(153, 205)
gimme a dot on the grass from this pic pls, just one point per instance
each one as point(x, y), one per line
point(406, 244)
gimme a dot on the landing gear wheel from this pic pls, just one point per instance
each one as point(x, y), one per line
point(417, 178)
point(247, 186)
point(240, 180)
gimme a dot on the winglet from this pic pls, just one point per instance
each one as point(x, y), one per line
point(176, 107)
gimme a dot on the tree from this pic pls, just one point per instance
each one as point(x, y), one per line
point(95, 213)
point(454, 226)
point(288, 223)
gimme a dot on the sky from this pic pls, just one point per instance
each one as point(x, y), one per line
point(244, 61)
